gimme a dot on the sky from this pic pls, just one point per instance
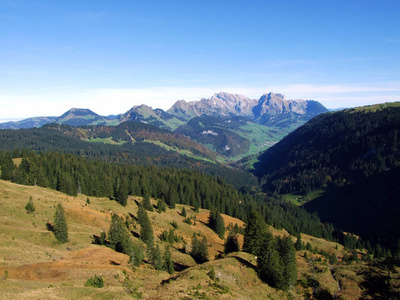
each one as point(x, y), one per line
point(109, 56)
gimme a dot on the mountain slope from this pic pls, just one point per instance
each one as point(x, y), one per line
point(336, 152)
point(156, 117)
point(35, 266)
point(131, 142)
point(80, 117)
point(231, 137)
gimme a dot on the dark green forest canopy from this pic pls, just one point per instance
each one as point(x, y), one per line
point(353, 158)
point(333, 148)
point(132, 142)
point(74, 174)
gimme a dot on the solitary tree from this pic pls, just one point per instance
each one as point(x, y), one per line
point(60, 228)
point(30, 208)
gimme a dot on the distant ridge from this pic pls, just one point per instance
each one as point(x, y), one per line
point(220, 105)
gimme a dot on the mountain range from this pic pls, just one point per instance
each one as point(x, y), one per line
point(262, 122)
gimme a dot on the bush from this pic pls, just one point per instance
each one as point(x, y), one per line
point(95, 281)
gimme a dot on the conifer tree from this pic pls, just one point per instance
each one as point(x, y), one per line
point(146, 203)
point(183, 212)
point(146, 230)
point(30, 208)
point(121, 192)
point(168, 264)
point(60, 228)
point(232, 243)
point(255, 230)
point(137, 254)
point(119, 236)
point(299, 244)
point(172, 198)
point(287, 255)
point(199, 249)
point(161, 205)
point(216, 223)
point(155, 258)
point(269, 266)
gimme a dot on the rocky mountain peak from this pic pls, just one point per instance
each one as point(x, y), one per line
point(278, 104)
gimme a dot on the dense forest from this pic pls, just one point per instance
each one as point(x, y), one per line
point(131, 142)
point(334, 148)
point(352, 157)
point(74, 174)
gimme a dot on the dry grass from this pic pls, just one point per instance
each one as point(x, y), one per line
point(35, 266)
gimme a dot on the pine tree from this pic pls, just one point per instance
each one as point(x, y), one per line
point(146, 203)
point(287, 255)
point(155, 258)
point(162, 206)
point(119, 236)
point(183, 212)
point(137, 254)
point(168, 264)
point(146, 230)
point(30, 208)
point(60, 228)
point(232, 243)
point(299, 244)
point(216, 223)
point(255, 230)
point(199, 249)
point(269, 266)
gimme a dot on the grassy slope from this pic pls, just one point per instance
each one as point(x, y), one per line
point(35, 266)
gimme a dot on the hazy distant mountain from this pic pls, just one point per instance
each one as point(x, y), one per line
point(80, 117)
point(28, 123)
point(221, 104)
point(261, 111)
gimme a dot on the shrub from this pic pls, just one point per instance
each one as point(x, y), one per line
point(96, 282)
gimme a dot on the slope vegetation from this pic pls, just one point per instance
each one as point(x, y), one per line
point(36, 266)
point(352, 152)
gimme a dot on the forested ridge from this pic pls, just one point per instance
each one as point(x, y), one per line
point(334, 148)
point(352, 158)
point(130, 142)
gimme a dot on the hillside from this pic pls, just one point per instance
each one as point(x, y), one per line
point(36, 266)
point(348, 152)
point(232, 137)
point(130, 142)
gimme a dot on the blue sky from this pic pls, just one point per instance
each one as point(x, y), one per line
point(111, 55)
